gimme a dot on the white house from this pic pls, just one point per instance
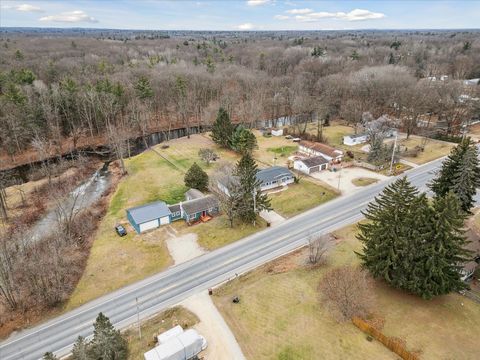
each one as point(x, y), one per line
point(318, 149)
point(274, 176)
point(352, 140)
point(277, 132)
point(311, 164)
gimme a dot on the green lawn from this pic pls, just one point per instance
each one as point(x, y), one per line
point(434, 149)
point(280, 315)
point(333, 134)
point(152, 327)
point(300, 197)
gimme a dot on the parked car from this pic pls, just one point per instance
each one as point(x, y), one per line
point(120, 230)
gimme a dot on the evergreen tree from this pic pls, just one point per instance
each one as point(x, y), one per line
point(196, 178)
point(107, 342)
point(143, 88)
point(460, 173)
point(252, 199)
point(385, 236)
point(243, 140)
point(80, 349)
point(444, 250)
point(222, 129)
point(354, 55)
point(49, 356)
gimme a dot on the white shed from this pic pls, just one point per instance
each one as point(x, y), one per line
point(352, 140)
point(277, 132)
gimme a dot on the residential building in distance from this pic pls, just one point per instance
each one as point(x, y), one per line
point(319, 149)
point(277, 132)
point(352, 140)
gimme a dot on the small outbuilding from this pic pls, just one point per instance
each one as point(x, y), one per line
point(311, 164)
point(149, 216)
point(277, 132)
point(352, 140)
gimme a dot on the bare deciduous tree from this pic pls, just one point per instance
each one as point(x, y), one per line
point(318, 246)
point(348, 291)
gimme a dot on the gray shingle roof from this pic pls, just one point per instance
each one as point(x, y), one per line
point(314, 161)
point(148, 212)
point(193, 194)
point(201, 204)
point(174, 208)
point(273, 173)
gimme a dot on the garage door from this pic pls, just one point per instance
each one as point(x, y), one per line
point(314, 169)
point(149, 225)
point(164, 220)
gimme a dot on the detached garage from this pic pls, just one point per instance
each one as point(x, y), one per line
point(311, 165)
point(149, 216)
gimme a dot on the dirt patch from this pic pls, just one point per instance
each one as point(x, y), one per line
point(287, 263)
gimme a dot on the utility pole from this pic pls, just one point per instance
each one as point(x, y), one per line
point(138, 319)
point(393, 153)
point(254, 206)
point(339, 175)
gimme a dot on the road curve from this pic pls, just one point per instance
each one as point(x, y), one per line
point(177, 283)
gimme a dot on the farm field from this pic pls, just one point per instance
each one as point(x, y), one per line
point(279, 304)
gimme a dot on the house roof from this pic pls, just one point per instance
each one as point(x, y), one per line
point(196, 205)
point(174, 208)
point(194, 194)
point(355, 136)
point(148, 212)
point(272, 173)
point(314, 161)
point(322, 148)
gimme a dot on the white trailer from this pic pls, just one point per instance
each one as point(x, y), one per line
point(184, 346)
point(167, 335)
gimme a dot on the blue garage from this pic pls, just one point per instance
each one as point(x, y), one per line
point(149, 216)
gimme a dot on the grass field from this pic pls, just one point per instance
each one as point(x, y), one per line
point(434, 149)
point(300, 197)
point(333, 134)
point(271, 147)
point(364, 181)
point(162, 322)
point(280, 315)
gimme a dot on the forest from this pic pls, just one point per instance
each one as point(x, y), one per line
point(65, 90)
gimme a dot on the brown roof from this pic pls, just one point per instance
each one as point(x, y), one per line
point(323, 148)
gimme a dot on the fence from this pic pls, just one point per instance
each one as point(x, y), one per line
point(367, 165)
point(393, 344)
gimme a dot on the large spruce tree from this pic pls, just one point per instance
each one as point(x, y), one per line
point(80, 349)
point(412, 243)
point(252, 199)
point(107, 342)
point(222, 129)
point(460, 173)
point(196, 178)
point(243, 140)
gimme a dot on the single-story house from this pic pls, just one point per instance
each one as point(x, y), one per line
point(274, 176)
point(153, 215)
point(277, 132)
point(149, 216)
point(195, 209)
point(319, 149)
point(472, 82)
point(352, 140)
point(311, 164)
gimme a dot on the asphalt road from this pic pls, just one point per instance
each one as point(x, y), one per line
point(177, 283)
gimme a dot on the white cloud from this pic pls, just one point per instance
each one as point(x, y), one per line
point(246, 26)
point(70, 17)
point(354, 15)
point(257, 2)
point(281, 17)
point(23, 8)
point(299, 11)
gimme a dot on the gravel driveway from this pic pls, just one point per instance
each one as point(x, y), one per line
point(344, 177)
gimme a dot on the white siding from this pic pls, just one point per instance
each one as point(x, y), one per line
point(148, 225)
point(165, 220)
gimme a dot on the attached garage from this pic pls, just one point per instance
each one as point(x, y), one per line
point(149, 216)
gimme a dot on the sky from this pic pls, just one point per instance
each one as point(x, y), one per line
point(241, 14)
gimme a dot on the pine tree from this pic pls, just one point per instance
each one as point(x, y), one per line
point(460, 172)
point(386, 235)
point(49, 356)
point(222, 129)
point(445, 251)
point(243, 140)
point(107, 342)
point(467, 178)
point(196, 178)
point(80, 349)
point(252, 199)
point(143, 88)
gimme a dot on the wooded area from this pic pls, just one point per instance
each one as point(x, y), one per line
point(104, 87)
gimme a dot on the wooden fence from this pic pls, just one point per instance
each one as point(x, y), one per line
point(392, 343)
point(367, 165)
